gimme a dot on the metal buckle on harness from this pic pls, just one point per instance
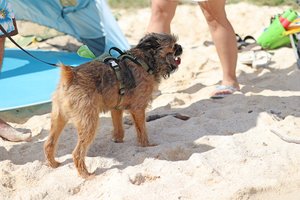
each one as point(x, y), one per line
point(122, 91)
point(114, 65)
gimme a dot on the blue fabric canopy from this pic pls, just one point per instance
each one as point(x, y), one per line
point(90, 21)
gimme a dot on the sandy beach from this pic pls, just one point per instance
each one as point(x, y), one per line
point(243, 147)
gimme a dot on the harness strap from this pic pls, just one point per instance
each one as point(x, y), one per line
point(115, 66)
point(116, 49)
point(124, 55)
point(136, 61)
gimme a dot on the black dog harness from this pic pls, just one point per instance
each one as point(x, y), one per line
point(114, 64)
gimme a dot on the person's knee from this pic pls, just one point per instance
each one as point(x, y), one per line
point(163, 10)
point(214, 17)
point(161, 15)
point(212, 22)
point(217, 22)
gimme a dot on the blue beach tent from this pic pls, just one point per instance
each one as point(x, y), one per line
point(90, 21)
point(25, 81)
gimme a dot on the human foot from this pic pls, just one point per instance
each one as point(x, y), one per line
point(222, 91)
point(11, 134)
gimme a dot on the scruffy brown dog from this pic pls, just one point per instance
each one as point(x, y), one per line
point(126, 83)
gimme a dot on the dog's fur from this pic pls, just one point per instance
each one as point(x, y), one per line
point(87, 90)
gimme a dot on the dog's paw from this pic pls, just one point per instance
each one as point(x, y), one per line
point(148, 144)
point(116, 140)
point(53, 164)
point(87, 175)
point(152, 145)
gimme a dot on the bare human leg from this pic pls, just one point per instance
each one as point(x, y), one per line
point(162, 13)
point(224, 38)
point(6, 131)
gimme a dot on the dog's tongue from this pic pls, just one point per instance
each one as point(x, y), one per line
point(178, 60)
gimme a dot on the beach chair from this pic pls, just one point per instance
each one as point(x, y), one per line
point(293, 31)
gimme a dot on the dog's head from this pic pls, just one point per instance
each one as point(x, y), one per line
point(162, 52)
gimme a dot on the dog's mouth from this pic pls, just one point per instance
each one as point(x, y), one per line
point(177, 53)
point(174, 62)
point(177, 60)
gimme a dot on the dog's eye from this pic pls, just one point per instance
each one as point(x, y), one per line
point(174, 48)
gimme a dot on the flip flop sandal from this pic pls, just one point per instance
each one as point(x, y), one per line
point(246, 58)
point(246, 44)
point(222, 88)
point(249, 39)
point(240, 41)
point(255, 58)
point(262, 59)
point(250, 44)
point(250, 47)
point(238, 38)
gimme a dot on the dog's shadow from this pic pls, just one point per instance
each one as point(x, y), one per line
point(113, 155)
point(129, 153)
point(135, 155)
point(177, 139)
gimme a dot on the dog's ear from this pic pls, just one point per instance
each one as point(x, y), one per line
point(150, 41)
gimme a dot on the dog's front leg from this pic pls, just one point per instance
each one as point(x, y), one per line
point(118, 132)
point(138, 117)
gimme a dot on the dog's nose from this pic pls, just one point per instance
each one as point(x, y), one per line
point(178, 50)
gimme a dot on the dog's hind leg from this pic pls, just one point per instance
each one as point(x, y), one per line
point(138, 117)
point(58, 122)
point(118, 132)
point(86, 125)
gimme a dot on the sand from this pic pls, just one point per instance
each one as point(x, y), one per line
point(228, 149)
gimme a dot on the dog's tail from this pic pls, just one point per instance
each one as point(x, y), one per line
point(67, 74)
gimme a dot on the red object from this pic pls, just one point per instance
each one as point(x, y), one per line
point(287, 20)
point(178, 61)
point(285, 23)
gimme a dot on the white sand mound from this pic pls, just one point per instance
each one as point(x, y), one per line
point(226, 150)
